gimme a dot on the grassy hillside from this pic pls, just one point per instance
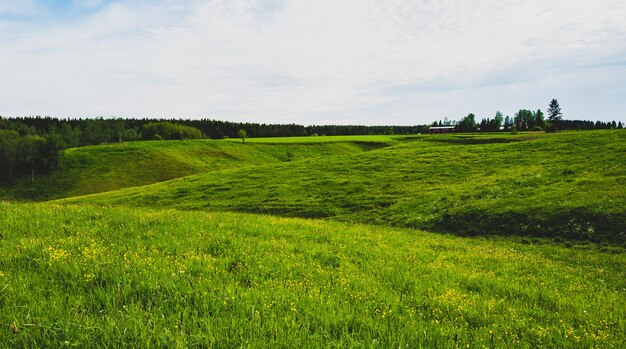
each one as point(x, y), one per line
point(96, 169)
point(330, 139)
point(566, 184)
point(86, 277)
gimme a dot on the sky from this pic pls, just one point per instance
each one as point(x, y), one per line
point(308, 62)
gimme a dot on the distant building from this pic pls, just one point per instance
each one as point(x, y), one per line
point(441, 129)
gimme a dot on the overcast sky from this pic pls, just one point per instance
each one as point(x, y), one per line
point(312, 61)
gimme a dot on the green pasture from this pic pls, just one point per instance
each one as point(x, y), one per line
point(77, 276)
point(95, 169)
point(565, 185)
point(425, 241)
point(329, 139)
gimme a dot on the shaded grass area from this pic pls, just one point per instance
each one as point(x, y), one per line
point(88, 277)
point(96, 169)
point(570, 184)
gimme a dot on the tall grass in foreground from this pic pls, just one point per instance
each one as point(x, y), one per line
point(91, 277)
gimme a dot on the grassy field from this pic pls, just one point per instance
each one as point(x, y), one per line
point(74, 276)
point(96, 169)
point(570, 185)
point(369, 241)
point(329, 139)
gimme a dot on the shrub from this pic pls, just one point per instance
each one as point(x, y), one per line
point(168, 130)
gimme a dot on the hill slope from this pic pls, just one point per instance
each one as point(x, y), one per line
point(566, 184)
point(88, 277)
point(96, 169)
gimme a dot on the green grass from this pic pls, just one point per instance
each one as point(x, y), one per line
point(73, 276)
point(96, 169)
point(192, 251)
point(329, 139)
point(569, 184)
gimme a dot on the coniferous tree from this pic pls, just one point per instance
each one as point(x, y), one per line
point(554, 115)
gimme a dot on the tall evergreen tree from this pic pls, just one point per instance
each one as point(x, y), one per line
point(554, 115)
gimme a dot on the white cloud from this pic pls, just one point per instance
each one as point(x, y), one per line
point(366, 61)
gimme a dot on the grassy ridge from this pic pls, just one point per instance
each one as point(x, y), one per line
point(571, 185)
point(96, 169)
point(329, 139)
point(87, 277)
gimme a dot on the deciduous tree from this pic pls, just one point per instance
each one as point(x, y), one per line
point(467, 124)
point(243, 135)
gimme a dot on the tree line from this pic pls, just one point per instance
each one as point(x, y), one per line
point(27, 154)
point(30, 145)
point(527, 120)
point(80, 132)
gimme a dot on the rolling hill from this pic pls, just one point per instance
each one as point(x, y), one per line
point(95, 169)
point(312, 242)
point(569, 184)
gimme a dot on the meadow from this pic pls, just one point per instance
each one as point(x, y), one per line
point(569, 185)
point(95, 169)
point(328, 139)
point(75, 276)
point(447, 241)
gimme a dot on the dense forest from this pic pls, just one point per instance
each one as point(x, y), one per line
point(27, 154)
point(77, 132)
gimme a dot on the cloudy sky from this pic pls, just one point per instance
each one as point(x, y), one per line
point(312, 61)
